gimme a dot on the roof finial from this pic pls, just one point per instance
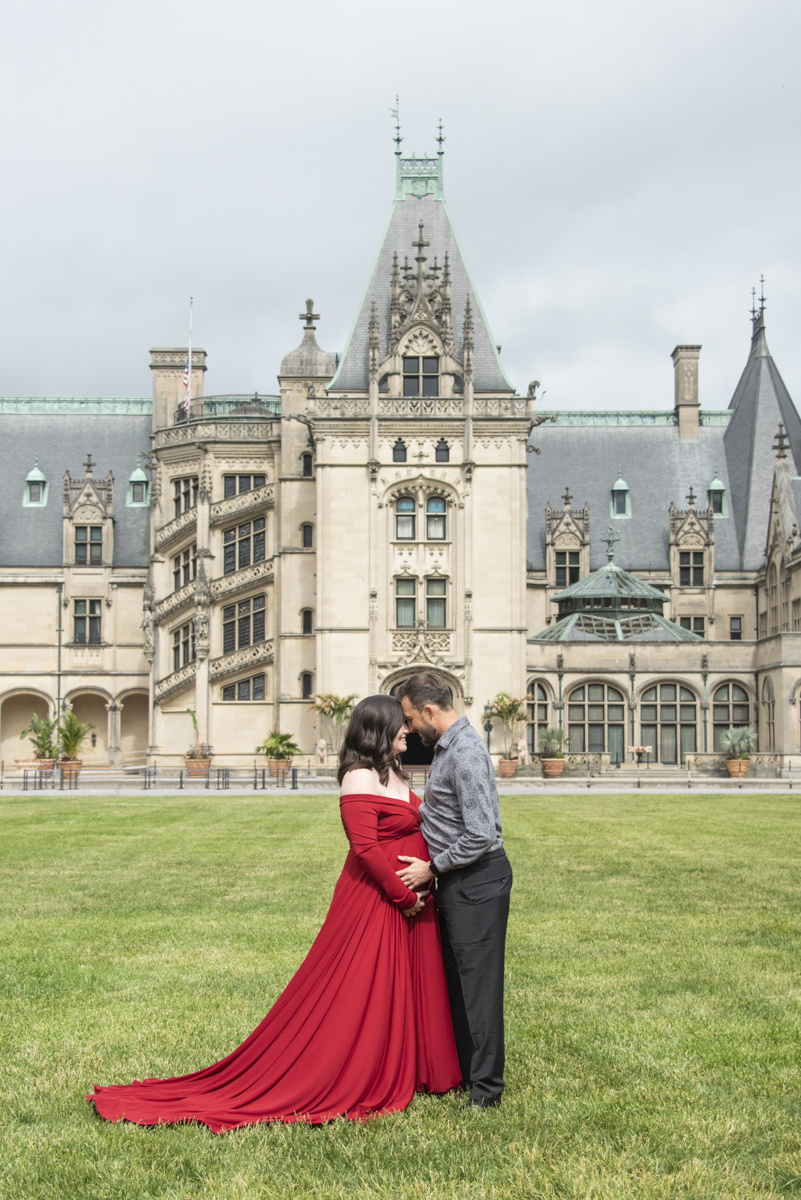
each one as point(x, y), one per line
point(691, 497)
point(309, 316)
point(781, 443)
point(610, 540)
point(753, 305)
point(440, 139)
point(396, 114)
point(567, 497)
point(762, 300)
point(89, 464)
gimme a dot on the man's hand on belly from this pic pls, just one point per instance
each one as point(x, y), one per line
point(416, 874)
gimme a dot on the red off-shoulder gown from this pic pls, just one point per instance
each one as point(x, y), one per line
point(363, 1025)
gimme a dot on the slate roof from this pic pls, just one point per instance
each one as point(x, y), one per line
point(759, 403)
point(32, 537)
point(401, 232)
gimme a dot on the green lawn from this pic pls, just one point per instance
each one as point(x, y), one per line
point(652, 1018)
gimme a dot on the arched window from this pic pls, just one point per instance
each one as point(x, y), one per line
point(773, 600)
point(306, 464)
point(769, 704)
point(245, 689)
point(537, 708)
point(307, 535)
point(669, 722)
point(435, 518)
point(596, 720)
point(785, 585)
point(404, 518)
point(399, 451)
point(306, 685)
point(307, 620)
point(731, 708)
point(442, 453)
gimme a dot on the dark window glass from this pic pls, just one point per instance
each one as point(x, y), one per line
point(442, 453)
point(229, 551)
point(399, 452)
point(86, 615)
point(229, 629)
point(88, 545)
point(183, 646)
point(411, 387)
point(35, 492)
point(405, 603)
point(735, 629)
point(717, 501)
point(184, 567)
point(243, 557)
point(411, 366)
point(435, 603)
point(307, 466)
point(306, 685)
point(244, 483)
point(243, 689)
point(306, 617)
point(620, 503)
point(258, 687)
point(430, 366)
point(421, 376)
point(244, 624)
point(229, 692)
point(184, 494)
point(730, 707)
point(229, 489)
point(430, 385)
point(308, 536)
point(137, 493)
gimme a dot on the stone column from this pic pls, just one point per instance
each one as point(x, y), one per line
point(114, 711)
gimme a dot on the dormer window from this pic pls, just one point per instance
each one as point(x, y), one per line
point(717, 498)
point(88, 545)
point(442, 453)
point(421, 376)
point(138, 490)
point(35, 495)
point(399, 451)
point(621, 504)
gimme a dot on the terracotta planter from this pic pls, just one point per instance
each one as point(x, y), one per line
point(552, 768)
point(507, 767)
point(277, 765)
point(35, 764)
point(737, 767)
point(197, 767)
point(70, 767)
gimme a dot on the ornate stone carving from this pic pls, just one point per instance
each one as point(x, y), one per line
point(176, 528)
point(431, 643)
point(420, 342)
point(174, 602)
point(253, 656)
point(343, 406)
point(222, 510)
point(420, 406)
point(228, 585)
point(178, 681)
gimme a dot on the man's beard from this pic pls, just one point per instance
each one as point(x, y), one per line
point(428, 735)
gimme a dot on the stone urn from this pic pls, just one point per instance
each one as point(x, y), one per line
point(278, 765)
point(197, 768)
point(552, 768)
point(507, 768)
point(737, 767)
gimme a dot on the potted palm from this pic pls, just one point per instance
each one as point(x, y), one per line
point(510, 713)
point(337, 710)
point(72, 735)
point(551, 753)
point(279, 749)
point(42, 734)
point(736, 744)
point(197, 759)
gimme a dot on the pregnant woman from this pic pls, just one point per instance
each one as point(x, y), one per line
point(365, 1022)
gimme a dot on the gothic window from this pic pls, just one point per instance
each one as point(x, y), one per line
point(694, 624)
point(785, 599)
point(596, 720)
point(183, 646)
point(245, 689)
point(567, 567)
point(421, 376)
point(670, 728)
point(184, 567)
point(442, 453)
point(184, 494)
point(763, 625)
point(399, 451)
point(243, 545)
point(307, 536)
point(404, 518)
point(306, 685)
point(88, 545)
point(307, 621)
point(405, 597)
point(244, 624)
point(537, 709)
point(691, 568)
point(620, 503)
point(435, 518)
point(731, 708)
point(435, 603)
point(735, 629)
point(769, 704)
point(235, 484)
point(773, 600)
point(306, 466)
point(86, 622)
point(797, 614)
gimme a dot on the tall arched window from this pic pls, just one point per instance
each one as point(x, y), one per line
point(306, 464)
point(306, 685)
point(785, 585)
point(596, 720)
point(731, 707)
point(769, 705)
point(773, 600)
point(307, 620)
point(669, 722)
point(537, 707)
point(435, 518)
point(307, 536)
point(404, 518)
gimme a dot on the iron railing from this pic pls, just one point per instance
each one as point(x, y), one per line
point(231, 408)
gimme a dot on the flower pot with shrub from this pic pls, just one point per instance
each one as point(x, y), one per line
point(197, 759)
point(279, 749)
point(336, 710)
point(72, 735)
point(736, 744)
point(550, 749)
point(511, 713)
point(42, 733)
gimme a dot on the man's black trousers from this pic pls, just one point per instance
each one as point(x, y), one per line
point(473, 908)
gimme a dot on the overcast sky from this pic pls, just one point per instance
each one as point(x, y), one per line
point(620, 173)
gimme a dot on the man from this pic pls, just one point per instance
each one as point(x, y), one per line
point(461, 823)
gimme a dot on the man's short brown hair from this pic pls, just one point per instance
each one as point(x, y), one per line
point(426, 688)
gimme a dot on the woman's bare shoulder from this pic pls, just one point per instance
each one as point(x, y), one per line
point(361, 781)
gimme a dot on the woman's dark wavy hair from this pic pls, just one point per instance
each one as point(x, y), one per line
point(372, 729)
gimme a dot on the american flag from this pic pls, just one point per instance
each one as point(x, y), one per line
point(185, 402)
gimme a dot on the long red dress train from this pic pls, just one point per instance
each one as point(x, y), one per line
point(362, 1026)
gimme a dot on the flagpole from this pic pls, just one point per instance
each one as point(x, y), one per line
point(188, 396)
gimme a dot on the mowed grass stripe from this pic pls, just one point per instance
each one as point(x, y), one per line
point(652, 999)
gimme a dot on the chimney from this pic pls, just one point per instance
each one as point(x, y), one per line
point(168, 366)
point(685, 368)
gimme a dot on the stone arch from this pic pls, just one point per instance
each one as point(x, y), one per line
point(90, 705)
point(679, 682)
point(16, 708)
point(134, 725)
point(418, 755)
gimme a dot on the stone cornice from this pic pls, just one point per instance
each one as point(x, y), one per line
point(252, 430)
point(236, 506)
point(238, 660)
point(229, 585)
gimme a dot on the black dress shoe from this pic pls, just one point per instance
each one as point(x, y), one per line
point(477, 1105)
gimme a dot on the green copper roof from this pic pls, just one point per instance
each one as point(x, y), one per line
point(610, 581)
point(72, 406)
point(592, 627)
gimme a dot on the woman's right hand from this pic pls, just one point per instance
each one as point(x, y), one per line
point(417, 906)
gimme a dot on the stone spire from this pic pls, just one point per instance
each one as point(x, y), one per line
point(373, 343)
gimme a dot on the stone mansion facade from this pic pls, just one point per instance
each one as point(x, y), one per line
point(394, 508)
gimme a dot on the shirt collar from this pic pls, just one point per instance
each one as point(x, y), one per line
point(450, 733)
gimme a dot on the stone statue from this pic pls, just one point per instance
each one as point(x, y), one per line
point(322, 752)
point(522, 753)
point(148, 629)
point(532, 389)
